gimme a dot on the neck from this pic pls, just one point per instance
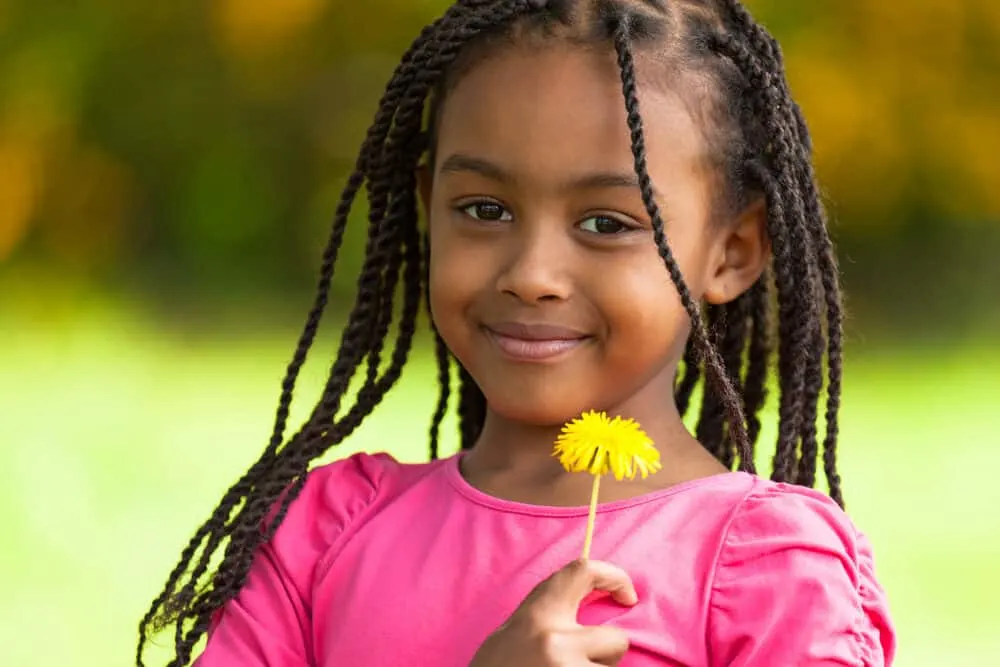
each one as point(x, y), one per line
point(525, 450)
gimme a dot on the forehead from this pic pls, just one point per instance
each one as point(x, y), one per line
point(561, 107)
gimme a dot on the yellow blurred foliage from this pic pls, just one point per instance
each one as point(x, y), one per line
point(251, 28)
point(20, 185)
point(32, 123)
point(90, 201)
point(78, 195)
point(858, 145)
point(892, 96)
point(971, 153)
point(903, 103)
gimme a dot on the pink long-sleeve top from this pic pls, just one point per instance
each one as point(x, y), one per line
point(383, 564)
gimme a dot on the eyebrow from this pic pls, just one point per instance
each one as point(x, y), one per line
point(463, 163)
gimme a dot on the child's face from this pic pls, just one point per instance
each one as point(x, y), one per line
point(535, 220)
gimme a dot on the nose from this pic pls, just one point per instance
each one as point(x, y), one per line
point(537, 266)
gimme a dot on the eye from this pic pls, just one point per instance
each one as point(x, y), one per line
point(487, 211)
point(603, 225)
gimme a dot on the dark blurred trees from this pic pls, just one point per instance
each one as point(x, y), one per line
point(202, 145)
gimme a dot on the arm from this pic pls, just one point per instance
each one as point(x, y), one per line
point(795, 585)
point(266, 625)
point(269, 623)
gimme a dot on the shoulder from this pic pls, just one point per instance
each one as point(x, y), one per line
point(337, 491)
point(347, 485)
point(337, 494)
point(786, 530)
point(793, 515)
point(334, 498)
point(333, 502)
point(793, 562)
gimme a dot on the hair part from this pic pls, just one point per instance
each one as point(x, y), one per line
point(761, 147)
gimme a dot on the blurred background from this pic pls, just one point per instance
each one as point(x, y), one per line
point(168, 172)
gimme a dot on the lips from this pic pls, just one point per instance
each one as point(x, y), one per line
point(523, 341)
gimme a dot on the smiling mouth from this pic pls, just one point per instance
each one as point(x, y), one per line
point(534, 343)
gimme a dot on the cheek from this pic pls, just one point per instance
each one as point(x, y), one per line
point(445, 289)
point(642, 301)
point(691, 248)
point(642, 307)
point(455, 274)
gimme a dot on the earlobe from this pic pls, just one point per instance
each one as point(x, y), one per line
point(744, 254)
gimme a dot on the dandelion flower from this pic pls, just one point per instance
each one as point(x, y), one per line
point(597, 444)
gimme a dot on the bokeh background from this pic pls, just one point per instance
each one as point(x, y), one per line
point(167, 175)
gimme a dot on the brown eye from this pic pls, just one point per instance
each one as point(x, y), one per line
point(487, 211)
point(602, 224)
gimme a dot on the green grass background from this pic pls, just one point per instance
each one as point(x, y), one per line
point(118, 436)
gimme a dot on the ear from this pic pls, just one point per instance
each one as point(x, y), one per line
point(424, 182)
point(743, 250)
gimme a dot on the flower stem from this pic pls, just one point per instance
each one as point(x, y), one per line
point(591, 516)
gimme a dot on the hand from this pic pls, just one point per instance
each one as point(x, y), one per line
point(543, 631)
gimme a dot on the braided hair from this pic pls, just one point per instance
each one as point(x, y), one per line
point(763, 150)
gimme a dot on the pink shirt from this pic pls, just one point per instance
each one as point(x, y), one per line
point(384, 564)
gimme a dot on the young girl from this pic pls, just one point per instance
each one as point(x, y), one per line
point(619, 196)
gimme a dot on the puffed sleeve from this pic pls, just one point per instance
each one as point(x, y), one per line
point(268, 623)
point(795, 586)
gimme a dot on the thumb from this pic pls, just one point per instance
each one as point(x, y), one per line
point(563, 592)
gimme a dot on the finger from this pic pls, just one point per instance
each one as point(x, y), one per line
point(564, 591)
point(586, 576)
point(602, 644)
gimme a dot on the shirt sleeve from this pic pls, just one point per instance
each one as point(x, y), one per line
point(795, 585)
point(268, 623)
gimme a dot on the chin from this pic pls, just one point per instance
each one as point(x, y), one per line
point(538, 411)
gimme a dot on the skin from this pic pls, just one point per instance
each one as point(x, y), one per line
point(543, 632)
point(535, 218)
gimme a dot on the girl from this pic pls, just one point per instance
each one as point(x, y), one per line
point(565, 152)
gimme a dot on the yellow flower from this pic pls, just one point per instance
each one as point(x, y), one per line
point(599, 445)
point(596, 444)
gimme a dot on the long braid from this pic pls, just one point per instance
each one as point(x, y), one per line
point(471, 409)
point(402, 206)
point(829, 274)
point(407, 116)
point(798, 305)
point(443, 358)
point(733, 343)
point(170, 601)
point(386, 292)
point(728, 327)
point(246, 534)
point(242, 545)
point(762, 61)
point(758, 355)
point(689, 380)
point(715, 371)
point(805, 472)
point(711, 421)
point(384, 154)
point(777, 162)
point(244, 529)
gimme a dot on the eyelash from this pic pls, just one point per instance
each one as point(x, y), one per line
point(464, 209)
point(505, 216)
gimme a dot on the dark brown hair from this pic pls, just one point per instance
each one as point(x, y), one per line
point(763, 149)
